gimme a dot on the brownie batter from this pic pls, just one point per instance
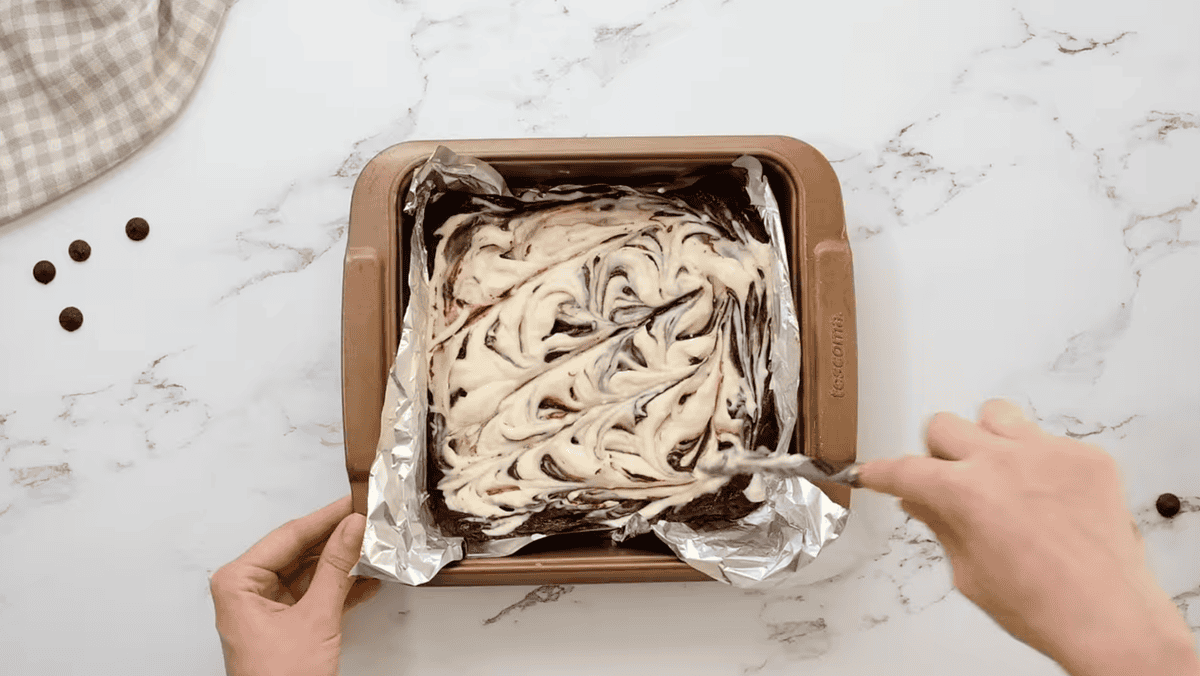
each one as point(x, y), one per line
point(589, 358)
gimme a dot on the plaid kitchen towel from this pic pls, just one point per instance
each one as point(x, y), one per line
point(85, 83)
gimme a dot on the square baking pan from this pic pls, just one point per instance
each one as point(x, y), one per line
point(374, 294)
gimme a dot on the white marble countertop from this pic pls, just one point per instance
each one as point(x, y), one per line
point(1021, 185)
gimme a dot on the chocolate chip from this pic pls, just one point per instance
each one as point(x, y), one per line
point(137, 228)
point(79, 250)
point(70, 318)
point(44, 272)
point(1167, 504)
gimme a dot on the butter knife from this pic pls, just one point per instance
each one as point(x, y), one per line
point(802, 466)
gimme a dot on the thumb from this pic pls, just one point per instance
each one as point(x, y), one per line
point(332, 582)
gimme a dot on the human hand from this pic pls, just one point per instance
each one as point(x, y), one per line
point(1039, 537)
point(280, 605)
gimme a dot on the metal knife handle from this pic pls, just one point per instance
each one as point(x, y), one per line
point(849, 476)
point(797, 465)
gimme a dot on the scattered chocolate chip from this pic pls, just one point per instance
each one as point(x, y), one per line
point(1167, 504)
point(137, 228)
point(70, 318)
point(44, 272)
point(79, 250)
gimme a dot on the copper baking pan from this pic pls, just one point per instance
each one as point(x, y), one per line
point(375, 291)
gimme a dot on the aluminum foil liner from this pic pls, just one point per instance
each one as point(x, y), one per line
point(402, 541)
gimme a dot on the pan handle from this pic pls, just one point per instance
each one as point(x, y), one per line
point(836, 394)
point(364, 367)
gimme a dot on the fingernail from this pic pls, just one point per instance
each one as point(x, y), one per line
point(352, 530)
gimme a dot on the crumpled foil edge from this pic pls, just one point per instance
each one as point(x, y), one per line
point(402, 542)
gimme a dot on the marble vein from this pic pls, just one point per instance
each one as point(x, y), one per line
point(1069, 44)
point(10, 444)
point(1189, 605)
point(31, 477)
point(613, 48)
point(1096, 428)
point(548, 593)
point(909, 177)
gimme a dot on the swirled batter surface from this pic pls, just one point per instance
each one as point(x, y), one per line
point(590, 353)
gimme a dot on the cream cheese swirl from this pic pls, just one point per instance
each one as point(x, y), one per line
point(589, 355)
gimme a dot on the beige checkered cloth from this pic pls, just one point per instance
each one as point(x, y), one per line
point(85, 83)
